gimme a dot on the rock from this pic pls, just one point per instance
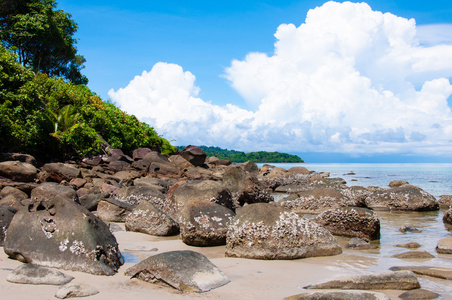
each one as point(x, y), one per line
point(447, 218)
point(397, 280)
point(140, 153)
point(111, 210)
point(93, 161)
point(414, 254)
point(445, 201)
point(351, 222)
point(50, 190)
point(244, 186)
point(316, 200)
point(339, 295)
point(418, 294)
point(397, 183)
point(134, 194)
point(409, 245)
point(6, 215)
point(30, 274)
point(183, 270)
point(355, 195)
point(62, 234)
point(298, 170)
point(291, 188)
point(146, 218)
point(218, 162)
point(18, 171)
point(118, 165)
point(437, 272)
point(405, 198)
point(155, 157)
point(180, 162)
point(75, 291)
point(166, 169)
point(268, 231)
point(444, 246)
point(25, 158)
point(9, 190)
point(157, 184)
point(194, 155)
point(59, 171)
point(204, 223)
point(360, 244)
point(91, 201)
point(206, 190)
point(405, 229)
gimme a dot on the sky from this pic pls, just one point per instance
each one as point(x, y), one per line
point(329, 81)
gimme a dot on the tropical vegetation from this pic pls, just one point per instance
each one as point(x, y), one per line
point(257, 157)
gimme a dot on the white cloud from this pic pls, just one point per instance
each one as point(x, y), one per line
point(348, 79)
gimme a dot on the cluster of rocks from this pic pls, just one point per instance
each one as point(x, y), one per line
point(65, 209)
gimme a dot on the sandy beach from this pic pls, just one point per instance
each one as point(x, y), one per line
point(250, 279)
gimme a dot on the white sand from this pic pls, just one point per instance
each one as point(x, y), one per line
point(250, 279)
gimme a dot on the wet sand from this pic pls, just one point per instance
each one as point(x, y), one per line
point(250, 279)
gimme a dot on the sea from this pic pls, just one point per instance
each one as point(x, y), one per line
point(435, 179)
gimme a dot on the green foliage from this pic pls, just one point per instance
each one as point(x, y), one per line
point(48, 117)
point(257, 157)
point(42, 38)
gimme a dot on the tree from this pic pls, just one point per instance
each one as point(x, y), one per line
point(42, 38)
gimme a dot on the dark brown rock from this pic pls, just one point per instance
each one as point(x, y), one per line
point(59, 171)
point(18, 171)
point(204, 223)
point(194, 155)
point(6, 215)
point(140, 153)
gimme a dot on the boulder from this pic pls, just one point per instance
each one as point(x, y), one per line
point(30, 274)
point(59, 171)
point(339, 295)
point(6, 216)
point(355, 195)
point(111, 210)
point(25, 158)
point(75, 291)
point(118, 165)
point(62, 234)
point(447, 218)
point(405, 198)
point(13, 202)
point(445, 201)
point(298, 170)
point(437, 272)
point(351, 222)
point(409, 245)
point(155, 157)
point(166, 169)
point(50, 190)
point(194, 155)
point(180, 162)
point(269, 231)
point(206, 190)
point(397, 280)
point(134, 194)
point(9, 190)
point(397, 183)
point(316, 200)
point(91, 201)
point(146, 218)
point(182, 270)
point(204, 223)
point(244, 186)
point(18, 171)
point(157, 184)
point(140, 153)
point(444, 246)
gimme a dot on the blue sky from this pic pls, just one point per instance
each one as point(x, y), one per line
point(210, 70)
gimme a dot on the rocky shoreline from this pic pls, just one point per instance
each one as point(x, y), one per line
point(66, 216)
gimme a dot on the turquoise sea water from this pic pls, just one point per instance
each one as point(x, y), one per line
point(434, 178)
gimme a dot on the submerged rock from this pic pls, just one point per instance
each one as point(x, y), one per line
point(268, 231)
point(414, 254)
point(398, 280)
point(183, 270)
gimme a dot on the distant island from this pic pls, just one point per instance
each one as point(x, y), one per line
point(257, 157)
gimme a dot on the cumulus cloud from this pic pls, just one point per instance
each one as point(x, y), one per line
point(348, 79)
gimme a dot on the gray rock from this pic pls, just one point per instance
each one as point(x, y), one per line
point(351, 222)
point(398, 280)
point(316, 200)
point(204, 223)
point(183, 270)
point(405, 198)
point(414, 254)
point(269, 231)
point(339, 295)
point(18, 171)
point(6, 215)
point(62, 234)
point(50, 190)
point(443, 273)
point(444, 246)
point(30, 274)
point(419, 294)
point(59, 171)
point(75, 291)
point(146, 218)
